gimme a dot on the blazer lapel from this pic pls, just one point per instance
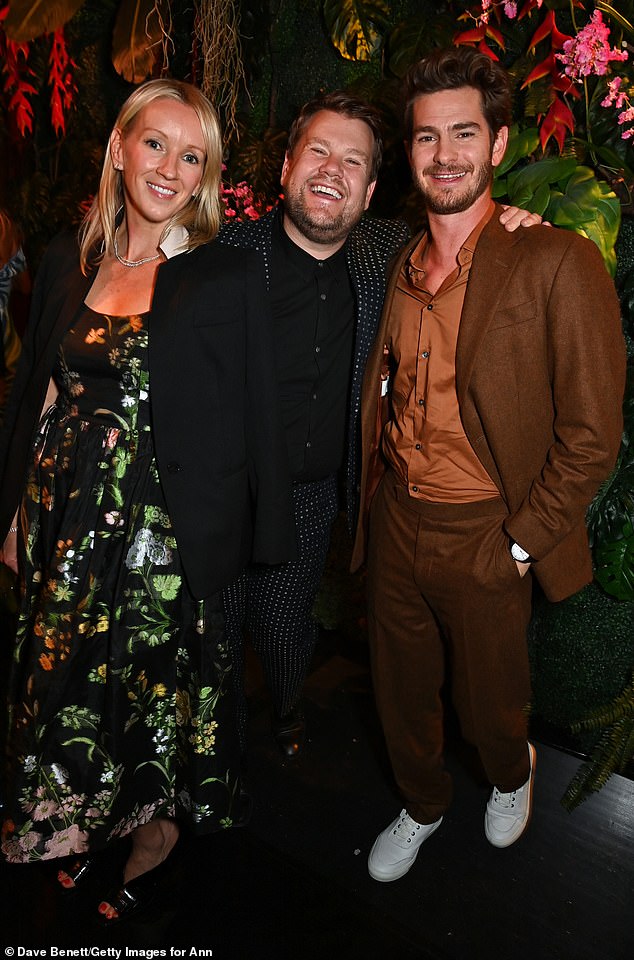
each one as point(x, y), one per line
point(494, 259)
point(65, 301)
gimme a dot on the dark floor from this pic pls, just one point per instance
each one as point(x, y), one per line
point(294, 884)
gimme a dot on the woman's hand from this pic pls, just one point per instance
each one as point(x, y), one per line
point(9, 552)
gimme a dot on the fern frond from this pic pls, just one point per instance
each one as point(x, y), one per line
point(621, 707)
point(610, 754)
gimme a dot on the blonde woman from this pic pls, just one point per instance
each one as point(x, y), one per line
point(142, 464)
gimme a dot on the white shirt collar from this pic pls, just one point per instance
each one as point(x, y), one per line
point(176, 241)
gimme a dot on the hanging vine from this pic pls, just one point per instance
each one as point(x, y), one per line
point(217, 30)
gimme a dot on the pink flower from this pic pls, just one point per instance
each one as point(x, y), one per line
point(589, 52)
point(16, 850)
point(615, 95)
point(45, 809)
point(510, 9)
point(618, 98)
point(65, 842)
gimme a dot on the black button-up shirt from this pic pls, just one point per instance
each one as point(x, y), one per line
point(313, 316)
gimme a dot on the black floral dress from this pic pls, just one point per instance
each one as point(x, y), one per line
point(120, 698)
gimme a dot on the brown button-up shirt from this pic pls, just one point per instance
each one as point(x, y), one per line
point(424, 441)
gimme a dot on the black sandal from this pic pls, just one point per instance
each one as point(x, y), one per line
point(77, 870)
point(133, 897)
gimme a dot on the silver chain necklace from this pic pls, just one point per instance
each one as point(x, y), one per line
point(131, 263)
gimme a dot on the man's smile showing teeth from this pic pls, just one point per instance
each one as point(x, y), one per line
point(164, 191)
point(327, 191)
point(448, 176)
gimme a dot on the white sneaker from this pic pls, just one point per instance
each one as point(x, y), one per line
point(507, 814)
point(395, 849)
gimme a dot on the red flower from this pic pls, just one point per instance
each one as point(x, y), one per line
point(558, 119)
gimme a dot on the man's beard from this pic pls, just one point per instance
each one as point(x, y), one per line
point(452, 200)
point(319, 227)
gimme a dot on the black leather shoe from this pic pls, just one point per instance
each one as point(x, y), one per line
point(289, 732)
point(131, 898)
point(75, 871)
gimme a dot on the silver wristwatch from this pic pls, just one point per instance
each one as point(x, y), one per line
point(519, 554)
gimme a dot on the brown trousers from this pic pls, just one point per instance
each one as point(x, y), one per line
point(446, 602)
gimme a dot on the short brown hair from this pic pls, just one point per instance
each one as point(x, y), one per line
point(452, 69)
point(348, 106)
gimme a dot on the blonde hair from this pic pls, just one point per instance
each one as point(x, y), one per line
point(201, 217)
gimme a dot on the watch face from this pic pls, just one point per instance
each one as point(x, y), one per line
point(518, 554)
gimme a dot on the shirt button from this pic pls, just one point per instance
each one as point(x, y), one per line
point(421, 403)
point(314, 396)
point(317, 349)
point(320, 263)
point(430, 306)
point(418, 446)
point(308, 443)
point(322, 296)
point(425, 354)
point(415, 489)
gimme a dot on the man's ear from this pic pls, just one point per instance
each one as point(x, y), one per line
point(285, 167)
point(368, 193)
point(499, 146)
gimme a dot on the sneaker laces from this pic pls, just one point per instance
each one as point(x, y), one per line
point(406, 828)
point(505, 800)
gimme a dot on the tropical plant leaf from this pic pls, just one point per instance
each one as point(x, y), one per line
point(356, 27)
point(520, 145)
point(28, 19)
point(529, 178)
point(414, 37)
point(136, 40)
point(610, 755)
point(258, 159)
point(615, 565)
point(613, 506)
point(622, 707)
point(591, 208)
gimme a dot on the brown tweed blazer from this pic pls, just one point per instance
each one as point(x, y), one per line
point(540, 373)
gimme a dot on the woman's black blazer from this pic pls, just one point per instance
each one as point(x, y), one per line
point(217, 432)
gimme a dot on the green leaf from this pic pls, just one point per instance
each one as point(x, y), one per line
point(544, 171)
point(413, 38)
point(356, 26)
point(591, 208)
point(91, 745)
point(613, 506)
point(137, 38)
point(521, 144)
point(167, 585)
point(615, 566)
point(28, 19)
point(608, 155)
point(541, 199)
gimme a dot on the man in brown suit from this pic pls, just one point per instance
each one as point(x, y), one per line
point(491, 413)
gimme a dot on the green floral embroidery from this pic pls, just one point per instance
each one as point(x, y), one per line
point(110, 646)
